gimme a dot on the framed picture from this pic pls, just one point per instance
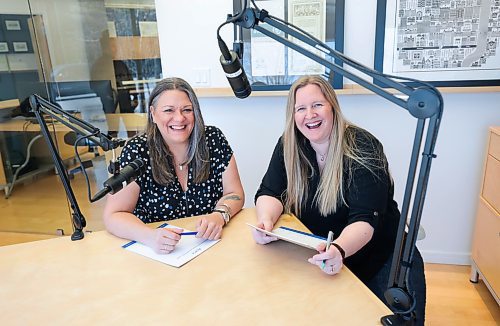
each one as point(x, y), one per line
point(4, 47)
point(12, 25)
point(447, 43)
point(20, 46)
point(148, 29)
point(111, 28)
point(270, 65)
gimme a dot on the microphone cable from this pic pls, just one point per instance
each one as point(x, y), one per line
point(78, 158)
point(222, 45)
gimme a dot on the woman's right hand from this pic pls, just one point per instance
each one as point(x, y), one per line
point(164, 240)
point(261, 237)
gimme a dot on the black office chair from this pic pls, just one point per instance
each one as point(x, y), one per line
point(70, 138)
point(109, 101)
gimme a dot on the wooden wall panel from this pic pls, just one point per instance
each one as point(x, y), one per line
point(134, 47)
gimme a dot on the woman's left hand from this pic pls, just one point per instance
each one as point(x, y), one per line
point(330, 262)
point(210, 226)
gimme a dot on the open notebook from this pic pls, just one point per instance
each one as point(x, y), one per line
point(186, 249)
point(300, 238)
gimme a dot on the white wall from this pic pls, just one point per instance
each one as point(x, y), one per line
point(188, 38)
point(187, 33)
point(449, 211)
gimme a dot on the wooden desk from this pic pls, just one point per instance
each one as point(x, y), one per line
point(9, 104)
point(5, 105)
point(132, 122)
point(235, 282)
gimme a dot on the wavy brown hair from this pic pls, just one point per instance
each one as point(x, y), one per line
point(197, 155)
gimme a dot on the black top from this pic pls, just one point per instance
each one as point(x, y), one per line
point(160, 203)
point(369, 197)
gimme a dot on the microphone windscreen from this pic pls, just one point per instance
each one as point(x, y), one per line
point(71, 137)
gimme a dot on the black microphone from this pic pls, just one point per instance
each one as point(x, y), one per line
point(234, 71)
point(127, 175)
point(71, 137)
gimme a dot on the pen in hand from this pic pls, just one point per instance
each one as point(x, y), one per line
point(189, 233)
point(161, 226)
point(182, 233)
point(328, 243)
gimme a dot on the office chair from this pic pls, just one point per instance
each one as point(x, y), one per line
point(100, 98)
point(70, 138)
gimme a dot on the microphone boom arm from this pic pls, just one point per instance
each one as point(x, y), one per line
point(41, 106)
point(424, 102)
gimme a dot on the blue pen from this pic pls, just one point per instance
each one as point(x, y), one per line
point(328, 243)
point(159, 227)
point(189, 233)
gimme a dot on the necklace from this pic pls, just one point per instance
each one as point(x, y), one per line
point(322, 156)
point(179, 165)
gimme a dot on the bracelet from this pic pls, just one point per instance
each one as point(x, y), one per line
point(228, 209)
point(225, 215)
point(339, 248)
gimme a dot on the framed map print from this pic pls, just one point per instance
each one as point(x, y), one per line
point(444, 42)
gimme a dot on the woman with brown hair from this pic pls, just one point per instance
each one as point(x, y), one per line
point(191, 170)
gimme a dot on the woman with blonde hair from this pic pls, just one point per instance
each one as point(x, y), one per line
point(334, 176)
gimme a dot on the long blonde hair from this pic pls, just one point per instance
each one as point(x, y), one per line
point(342, 147)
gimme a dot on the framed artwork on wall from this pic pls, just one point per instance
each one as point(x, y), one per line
point(12, 25)
point(20, 46)
point(4, 47)
point(447, 43)
point(15, 31)
point(269, 65)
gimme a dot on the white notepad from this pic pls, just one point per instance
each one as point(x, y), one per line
point(300, 238)
point(186, 249)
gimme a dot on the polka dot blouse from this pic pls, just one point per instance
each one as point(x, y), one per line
point(160, 203)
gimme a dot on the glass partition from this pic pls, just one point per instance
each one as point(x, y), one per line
point(96, 59)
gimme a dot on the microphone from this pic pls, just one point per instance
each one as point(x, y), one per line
point(71, 137)
point(234, 71)
point(127, 175)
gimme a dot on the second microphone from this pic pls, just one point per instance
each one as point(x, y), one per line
point(127, 175)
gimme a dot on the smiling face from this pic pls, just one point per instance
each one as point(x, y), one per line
point(173, 114)
point(313, 114)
